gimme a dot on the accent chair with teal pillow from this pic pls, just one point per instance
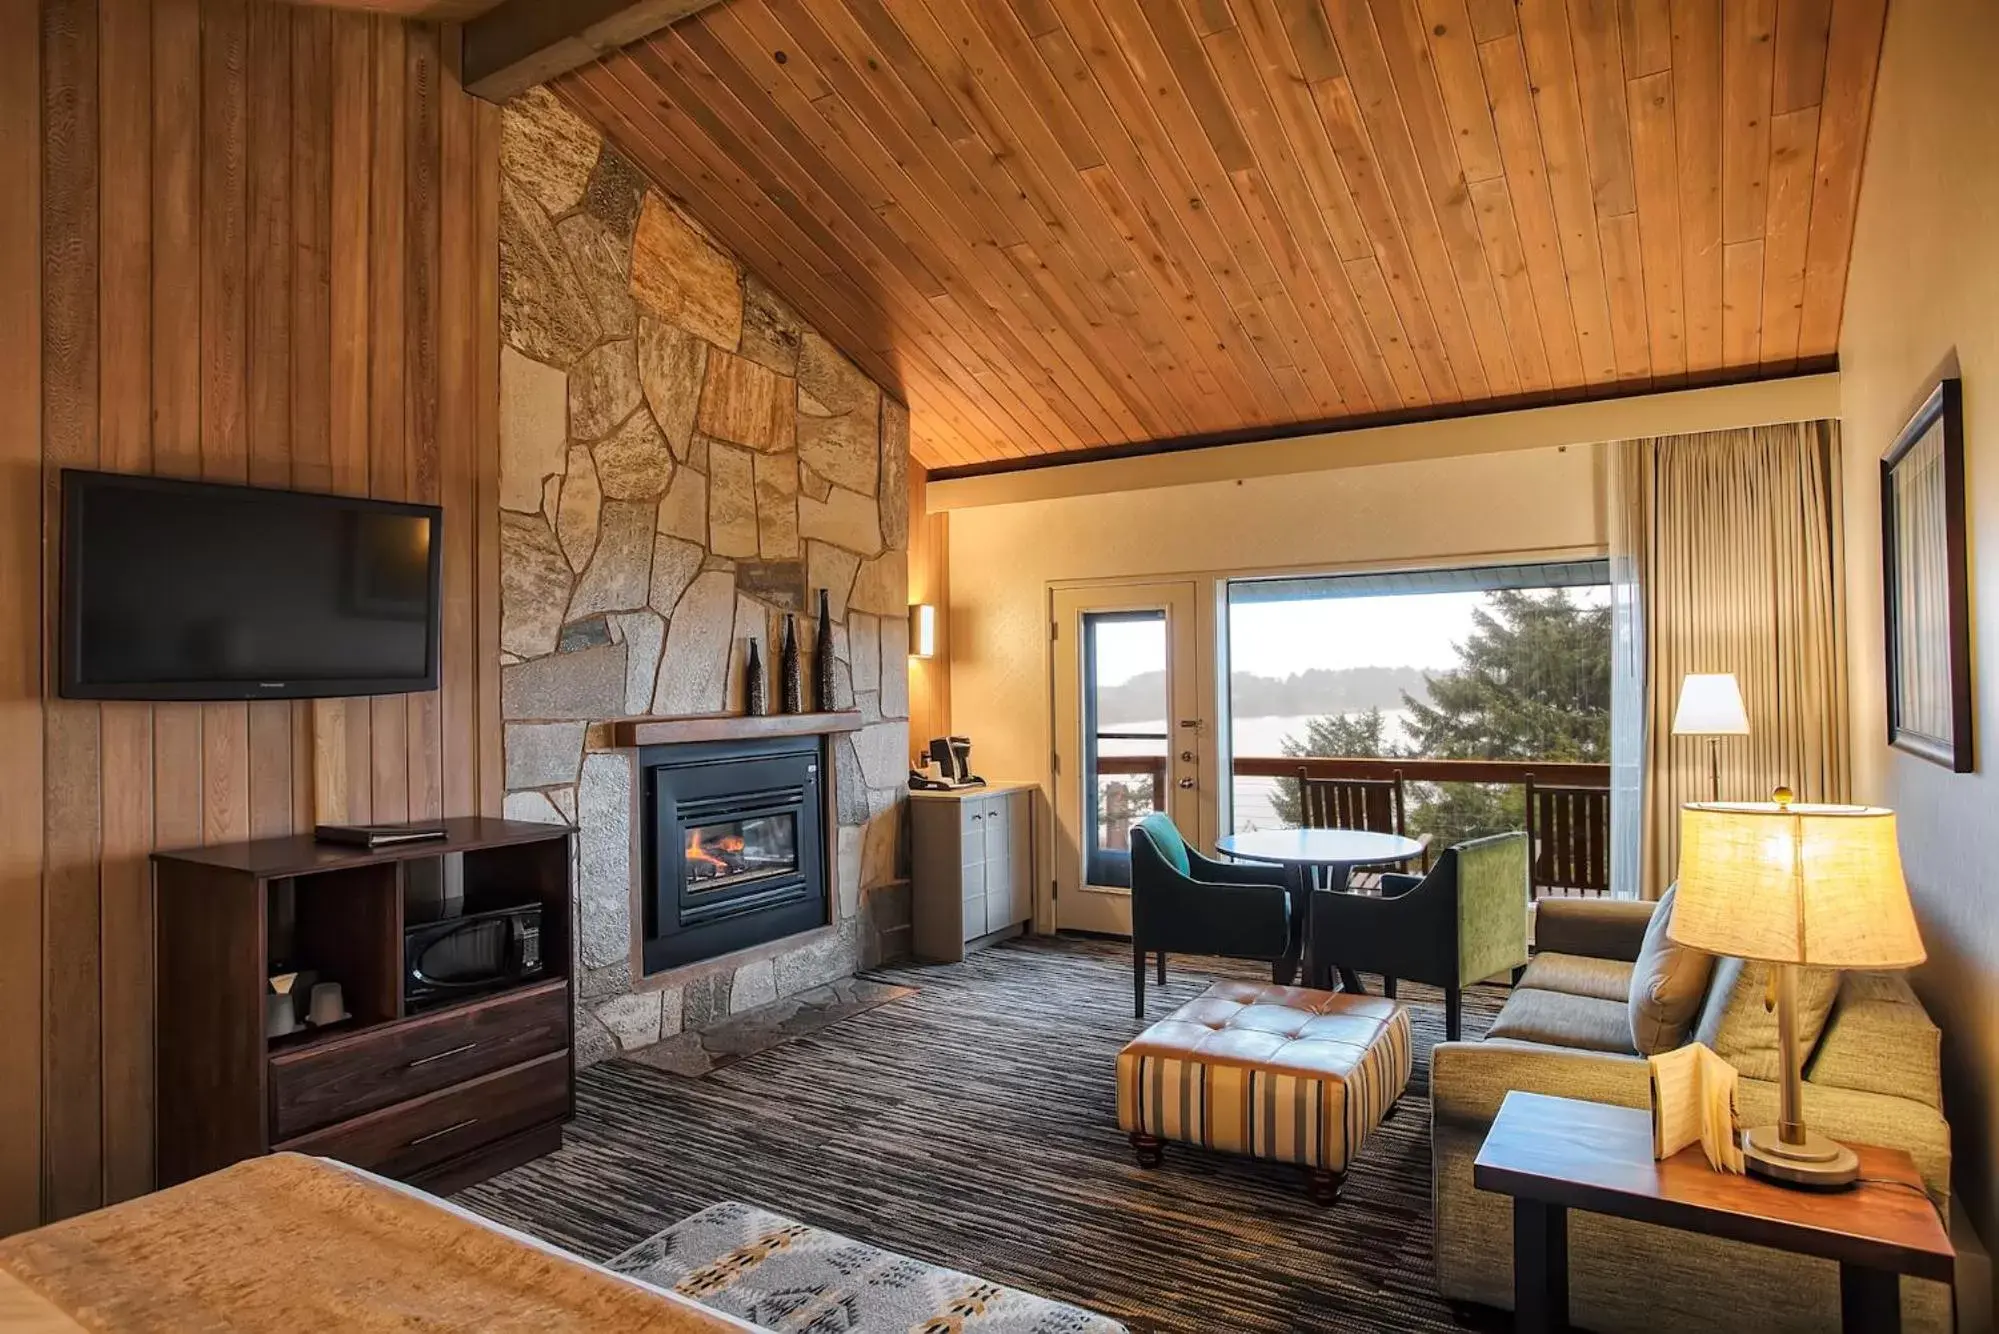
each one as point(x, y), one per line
point(1184, 903)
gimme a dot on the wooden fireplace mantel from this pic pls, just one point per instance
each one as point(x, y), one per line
point(630, 733)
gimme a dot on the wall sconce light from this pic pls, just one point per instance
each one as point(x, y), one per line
point(922, 630)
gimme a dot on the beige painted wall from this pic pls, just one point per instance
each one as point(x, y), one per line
point(1004, 557)
point(1923, 297)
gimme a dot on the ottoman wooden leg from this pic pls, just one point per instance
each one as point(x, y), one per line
point(1324, 1186)
point(1148, 1148)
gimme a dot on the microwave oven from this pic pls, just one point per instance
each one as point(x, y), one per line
point(454, 958)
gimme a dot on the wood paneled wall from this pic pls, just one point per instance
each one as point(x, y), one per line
point(929, 581)
point(251, 243)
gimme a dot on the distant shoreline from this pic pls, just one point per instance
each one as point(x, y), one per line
point(1312, 694)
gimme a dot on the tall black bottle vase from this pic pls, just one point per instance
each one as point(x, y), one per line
point(756, 690)
point(791, 669)
point(822, 658)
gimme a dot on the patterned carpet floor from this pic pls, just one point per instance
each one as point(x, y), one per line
point(974, 1124)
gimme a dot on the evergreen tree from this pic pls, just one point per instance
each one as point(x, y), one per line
point(1347, 735)
point(1532, 683)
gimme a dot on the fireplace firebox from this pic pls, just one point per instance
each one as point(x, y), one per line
point(734, 851)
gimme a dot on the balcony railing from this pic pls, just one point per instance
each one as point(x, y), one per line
point(1571, 832)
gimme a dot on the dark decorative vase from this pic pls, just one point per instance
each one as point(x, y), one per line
point(756, 691)
point(822, 659)
point(790, 668)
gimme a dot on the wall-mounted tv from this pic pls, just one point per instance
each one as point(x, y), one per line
point(192, 590)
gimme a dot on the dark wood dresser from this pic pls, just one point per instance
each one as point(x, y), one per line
point(441, 1094)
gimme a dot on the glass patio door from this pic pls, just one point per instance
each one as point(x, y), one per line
point(1126, 738)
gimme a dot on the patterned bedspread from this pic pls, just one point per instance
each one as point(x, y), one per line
point(788, 1276)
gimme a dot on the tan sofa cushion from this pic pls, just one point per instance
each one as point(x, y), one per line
point(1561, 1019)
point(1578, 975)
point(1667, 984)
point(1742, 1032)
point(1880, 1040)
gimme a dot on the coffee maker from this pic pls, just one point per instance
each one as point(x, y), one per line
point(950, 766)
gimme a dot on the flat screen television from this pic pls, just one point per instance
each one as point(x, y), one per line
point(193, 590)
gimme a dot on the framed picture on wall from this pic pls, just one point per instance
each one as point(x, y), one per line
point(1923, 590)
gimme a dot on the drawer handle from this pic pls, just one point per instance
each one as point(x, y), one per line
point(421, 1061)
point(440, 1134)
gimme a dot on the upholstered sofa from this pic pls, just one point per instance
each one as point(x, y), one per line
point(1567, 1029)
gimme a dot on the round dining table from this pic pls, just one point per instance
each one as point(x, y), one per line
point(1335, 852)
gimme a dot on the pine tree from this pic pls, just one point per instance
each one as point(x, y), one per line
point(1355, 734)
point(1532, 683)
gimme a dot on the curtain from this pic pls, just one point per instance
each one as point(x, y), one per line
point(1735, 551)
point(1628, 742)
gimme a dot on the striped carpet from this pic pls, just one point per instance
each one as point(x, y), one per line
point(974, 1124)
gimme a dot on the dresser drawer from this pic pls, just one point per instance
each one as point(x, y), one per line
point(341, 1079)
point(409, 1137)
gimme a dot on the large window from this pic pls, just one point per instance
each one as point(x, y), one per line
point(1505, 663)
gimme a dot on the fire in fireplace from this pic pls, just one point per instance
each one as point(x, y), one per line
point(719, 855)
point(734, 850)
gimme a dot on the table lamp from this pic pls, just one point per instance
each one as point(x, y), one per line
point(1711, 706)
point(1793, 884)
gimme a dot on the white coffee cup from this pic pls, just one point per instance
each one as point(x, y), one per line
point(328, 1005)
point(280, 1016)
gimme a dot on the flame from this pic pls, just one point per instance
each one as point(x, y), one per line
point(697, 849)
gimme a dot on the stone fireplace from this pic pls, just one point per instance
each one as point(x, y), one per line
point(684, 462)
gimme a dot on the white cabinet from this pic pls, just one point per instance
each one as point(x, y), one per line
point(973, 866)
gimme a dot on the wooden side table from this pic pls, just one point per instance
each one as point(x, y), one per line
point(1556, 1154)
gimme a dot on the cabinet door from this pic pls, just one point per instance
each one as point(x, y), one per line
point(1020, 829)
point(999, 864)
point(972, 817)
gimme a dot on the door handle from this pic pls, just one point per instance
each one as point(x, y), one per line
point(1187, 784)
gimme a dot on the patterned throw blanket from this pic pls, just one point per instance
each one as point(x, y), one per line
point(295, 1243)
point(788, 1276)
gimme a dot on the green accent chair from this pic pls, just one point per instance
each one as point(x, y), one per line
point(1462, 923)
point(1188, 904)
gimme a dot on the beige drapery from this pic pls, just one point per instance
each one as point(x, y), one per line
point(1734, 541)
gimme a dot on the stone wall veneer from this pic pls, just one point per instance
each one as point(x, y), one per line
point(683, 461)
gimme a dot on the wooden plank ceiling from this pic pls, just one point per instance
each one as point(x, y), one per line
point(434, 11)
point(1064, 224)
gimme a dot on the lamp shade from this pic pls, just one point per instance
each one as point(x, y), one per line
point(1710, 705)
point(1794, 883)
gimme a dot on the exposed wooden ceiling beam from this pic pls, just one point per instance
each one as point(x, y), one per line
point(521, 43)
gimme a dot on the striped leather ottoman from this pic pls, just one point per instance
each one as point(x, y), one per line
point(1283, 1073)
